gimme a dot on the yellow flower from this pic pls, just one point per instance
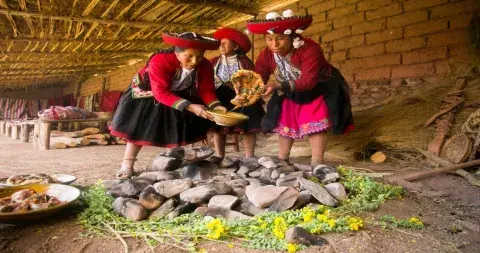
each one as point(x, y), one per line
point(327, 212)
point(216, 229)
point(292, 248)
point(416, 221)
point(308, 215)
point(331, 223)
point(322, 217)
point(202, 251)
point(279, 228)
point(355, 223)
point(230, 245)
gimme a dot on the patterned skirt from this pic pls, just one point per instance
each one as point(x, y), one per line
point(144, 121)
point(298, 120)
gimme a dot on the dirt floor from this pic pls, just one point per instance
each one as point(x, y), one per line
point(452, 222)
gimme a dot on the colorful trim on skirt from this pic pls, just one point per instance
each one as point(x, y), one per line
point(305, 129)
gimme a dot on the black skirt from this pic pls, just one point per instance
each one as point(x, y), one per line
point(144, 121)
point(255, 113)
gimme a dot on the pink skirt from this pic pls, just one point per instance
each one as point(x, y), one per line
point(298, 120)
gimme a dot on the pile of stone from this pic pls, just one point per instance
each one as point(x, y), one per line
point(192, 180)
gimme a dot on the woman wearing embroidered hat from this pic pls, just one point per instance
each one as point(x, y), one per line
point(310, 96)
point(168, 100)
point(233, 47)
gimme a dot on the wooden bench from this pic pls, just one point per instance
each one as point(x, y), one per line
point(42, 129)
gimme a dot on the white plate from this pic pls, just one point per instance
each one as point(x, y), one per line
point(63, 178)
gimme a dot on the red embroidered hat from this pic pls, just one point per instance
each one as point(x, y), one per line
point(191, 40)
point(274, 23)
point(236, 36)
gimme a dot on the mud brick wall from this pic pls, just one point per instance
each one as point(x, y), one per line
point(382, 47)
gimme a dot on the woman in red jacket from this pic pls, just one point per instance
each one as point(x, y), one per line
point(310, 96)
point(233, 48)
point(167, 103)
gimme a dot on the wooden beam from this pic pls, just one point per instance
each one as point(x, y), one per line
point(216, 4)
point(81, 40)
point(139, 24)
point(77, 68)
point(79, 53)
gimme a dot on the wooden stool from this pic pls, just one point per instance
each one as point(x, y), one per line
point(234, 143)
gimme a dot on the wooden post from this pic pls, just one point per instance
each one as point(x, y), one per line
point(24, 133)
point(36, 133)
point(15, 132)
point(2, 127)
point(44, 137)
point(8, 129)
point(102, 126)
point(60, 126)
point(76, 126)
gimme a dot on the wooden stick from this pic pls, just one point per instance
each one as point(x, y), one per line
point(465, 174)
point(95, 136)
point(430, 173)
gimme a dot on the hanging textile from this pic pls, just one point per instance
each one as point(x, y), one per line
point(89, 103)
point(68, 100)
point(21, 109)
point(109, 100)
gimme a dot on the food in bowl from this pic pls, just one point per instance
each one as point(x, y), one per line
point(30, 179)
point(27, 200)
point(17, 180)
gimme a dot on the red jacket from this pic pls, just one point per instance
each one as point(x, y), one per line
point(162, 69)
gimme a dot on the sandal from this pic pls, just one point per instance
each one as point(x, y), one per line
point(125, 172)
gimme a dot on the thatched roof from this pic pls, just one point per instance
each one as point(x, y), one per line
point(45, 43)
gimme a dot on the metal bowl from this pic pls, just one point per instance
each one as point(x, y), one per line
point(227, 119)
point(65, 193)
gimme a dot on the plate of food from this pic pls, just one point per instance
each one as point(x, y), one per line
point(35, 201)
point(248, 87)
point(37, 179)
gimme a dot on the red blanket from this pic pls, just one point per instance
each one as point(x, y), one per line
point(110, 100)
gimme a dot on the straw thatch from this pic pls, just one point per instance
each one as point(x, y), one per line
point(46, 43)
point(397, 125)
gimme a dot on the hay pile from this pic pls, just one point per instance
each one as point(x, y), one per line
point(398, 124)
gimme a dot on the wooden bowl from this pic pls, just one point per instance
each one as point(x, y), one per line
point(227, 119)
point(65, 193)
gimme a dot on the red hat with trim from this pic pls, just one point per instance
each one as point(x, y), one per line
point(285, 24)
point(191, 40)
point(236, 36)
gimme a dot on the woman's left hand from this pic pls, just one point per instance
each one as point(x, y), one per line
point(221, 108)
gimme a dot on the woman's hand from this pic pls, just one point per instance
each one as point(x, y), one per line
point(200, 111)
point(220, 108)
point(271, 88)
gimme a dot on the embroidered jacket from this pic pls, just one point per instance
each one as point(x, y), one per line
point(307, 63)
point(243, 61)
point(163, 69)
